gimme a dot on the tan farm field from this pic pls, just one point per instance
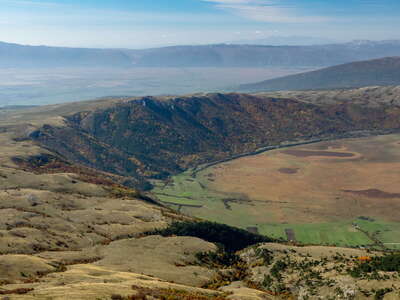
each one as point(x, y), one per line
point(324, 182)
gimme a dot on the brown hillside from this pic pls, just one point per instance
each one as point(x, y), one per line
point(153, 138)
point(379, 72)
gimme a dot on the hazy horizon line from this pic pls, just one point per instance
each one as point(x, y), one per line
point(249, 42)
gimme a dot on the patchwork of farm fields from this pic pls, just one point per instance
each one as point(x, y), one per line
point(343, 192)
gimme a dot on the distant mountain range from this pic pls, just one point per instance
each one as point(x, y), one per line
point(14, 55)
point(285, 40)
point(222, 55)
point(377, 72)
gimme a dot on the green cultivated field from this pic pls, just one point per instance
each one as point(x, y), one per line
point(184, 191)
point(339, 234)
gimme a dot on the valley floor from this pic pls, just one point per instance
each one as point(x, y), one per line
point(342, 192)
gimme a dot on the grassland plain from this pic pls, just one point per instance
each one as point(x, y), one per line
point(343, 192)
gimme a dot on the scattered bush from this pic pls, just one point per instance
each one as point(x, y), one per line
point(267, 282)
point(265, 255)
point(380, 294)
point(278, 268)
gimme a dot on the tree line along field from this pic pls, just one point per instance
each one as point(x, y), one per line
point(342, 192)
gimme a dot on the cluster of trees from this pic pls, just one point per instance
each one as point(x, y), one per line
point(218, 259)
point(228, 238)
point(387, 263)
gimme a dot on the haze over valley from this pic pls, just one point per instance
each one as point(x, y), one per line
point(57, 85)
point(47, 75)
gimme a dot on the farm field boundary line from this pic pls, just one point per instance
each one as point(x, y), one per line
point(288, 144)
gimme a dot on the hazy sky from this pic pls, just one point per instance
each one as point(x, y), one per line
point(145, 23)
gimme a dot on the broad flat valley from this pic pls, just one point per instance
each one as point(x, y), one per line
point(57, 85)
point(342, 192)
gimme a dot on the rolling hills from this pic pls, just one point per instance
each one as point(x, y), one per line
point(379, 72)
point(75, 226)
